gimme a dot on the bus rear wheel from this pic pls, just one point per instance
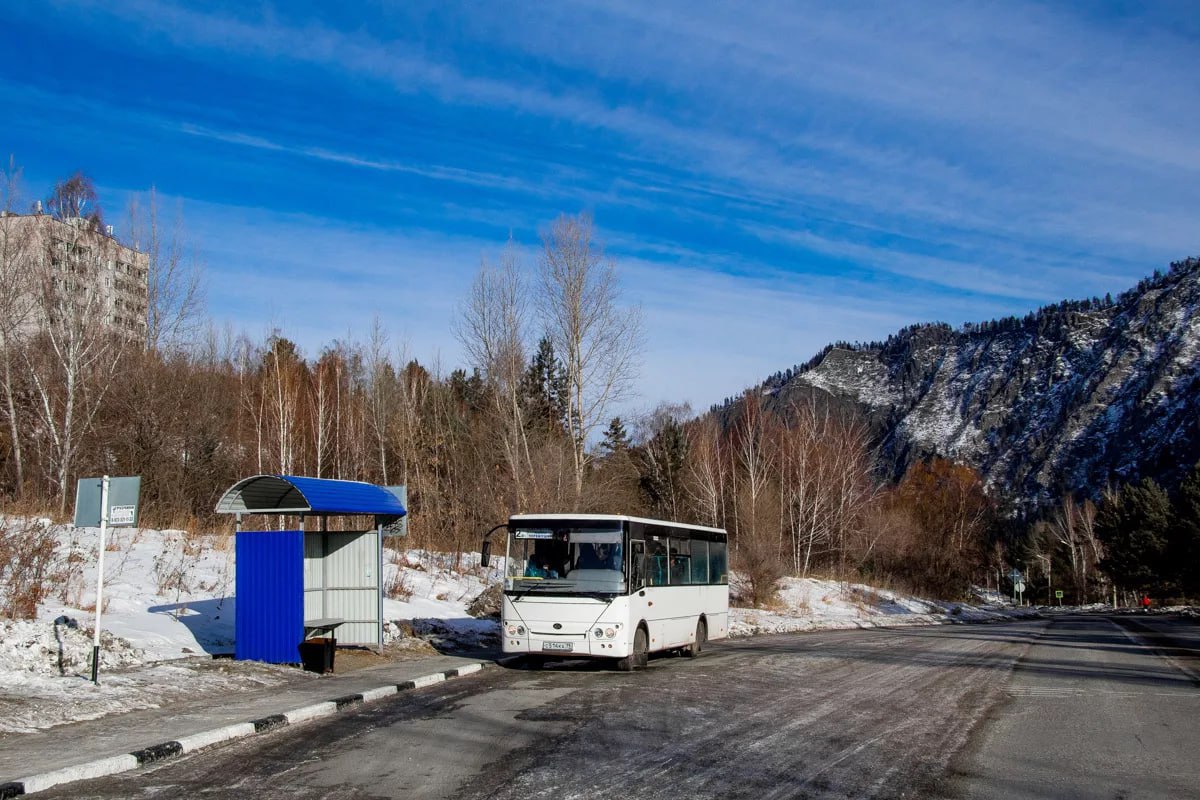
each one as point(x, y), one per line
point(693, 651)
point(639, 656)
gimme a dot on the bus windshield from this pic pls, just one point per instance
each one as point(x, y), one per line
point(568, 560)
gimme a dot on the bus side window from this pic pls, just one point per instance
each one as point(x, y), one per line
point(656, 574)
point(680, 564)
point(699, 561)
point(716, 562)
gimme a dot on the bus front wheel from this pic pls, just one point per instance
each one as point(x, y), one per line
point(639, 656)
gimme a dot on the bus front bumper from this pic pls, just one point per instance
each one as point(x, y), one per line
point(565, 646)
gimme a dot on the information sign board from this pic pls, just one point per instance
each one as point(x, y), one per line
point(122, 501)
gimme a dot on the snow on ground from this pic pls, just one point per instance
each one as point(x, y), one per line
point(807, 604)
point(169, 608)
point(46, 670)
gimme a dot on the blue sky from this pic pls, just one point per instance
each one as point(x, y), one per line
point(769, 177)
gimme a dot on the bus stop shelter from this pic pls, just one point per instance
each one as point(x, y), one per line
point(291, 584)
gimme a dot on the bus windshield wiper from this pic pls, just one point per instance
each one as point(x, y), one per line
point(540, 583)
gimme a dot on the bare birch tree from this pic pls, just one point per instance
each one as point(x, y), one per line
point(174, 287)
point(1073, 525)
point(283, 387)
point(73, 359)
point(382, 393)
point(492, 327)
point(16, 303)
point(598, 340)
point(708, 477)
point(755, 463)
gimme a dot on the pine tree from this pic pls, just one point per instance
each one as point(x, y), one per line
point(1184, 550)
point(545, 388)
point(616, 438)
point(1135, 528)
point(661, 462)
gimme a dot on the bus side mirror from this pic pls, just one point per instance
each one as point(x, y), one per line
point(485, 554)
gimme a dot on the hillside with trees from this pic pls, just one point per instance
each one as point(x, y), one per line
point(1061, 401)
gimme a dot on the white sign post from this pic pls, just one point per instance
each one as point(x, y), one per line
point(92, 498)
point(100, 580)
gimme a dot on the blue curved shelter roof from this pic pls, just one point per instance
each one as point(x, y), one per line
point(290, 494)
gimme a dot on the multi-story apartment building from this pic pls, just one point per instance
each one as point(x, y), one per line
point(72, 269)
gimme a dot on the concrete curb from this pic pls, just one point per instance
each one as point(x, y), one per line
point(198, 741)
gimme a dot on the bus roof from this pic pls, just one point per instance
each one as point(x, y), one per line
point(612, 518)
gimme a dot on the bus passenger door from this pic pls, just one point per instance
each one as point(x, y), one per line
point(637, 565)
point(639, 603)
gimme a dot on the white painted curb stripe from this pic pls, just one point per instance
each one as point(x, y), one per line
point(378, 694)
point(199, 741)
point(93, 769)
point(310, 712)
point(428, 680)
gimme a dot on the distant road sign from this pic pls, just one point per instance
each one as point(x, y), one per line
point(1058, 593)
point(1015, 575)
point(1019, 587)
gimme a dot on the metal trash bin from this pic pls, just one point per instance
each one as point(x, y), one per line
point(316, 654)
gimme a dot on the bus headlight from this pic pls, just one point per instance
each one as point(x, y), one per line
point(516, 630)
point(609, 632)
point(598, 633)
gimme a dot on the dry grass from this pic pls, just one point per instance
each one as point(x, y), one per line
point(30, 567)
point(397, 585)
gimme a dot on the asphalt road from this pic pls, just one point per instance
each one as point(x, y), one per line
point(1098, 707)
point(1073, 706)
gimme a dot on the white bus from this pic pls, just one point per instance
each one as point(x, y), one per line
point(609, 586)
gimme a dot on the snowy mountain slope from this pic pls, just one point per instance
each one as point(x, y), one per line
point(1065, 400)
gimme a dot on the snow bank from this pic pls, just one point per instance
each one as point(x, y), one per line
point(31, 650)
point(806, 604)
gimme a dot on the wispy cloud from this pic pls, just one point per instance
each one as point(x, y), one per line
point(826, 170)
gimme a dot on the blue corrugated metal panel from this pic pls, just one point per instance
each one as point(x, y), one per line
point(346, 497)
point(270, 596)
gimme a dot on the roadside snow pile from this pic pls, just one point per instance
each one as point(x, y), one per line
point(31, 650)
point(807, 604)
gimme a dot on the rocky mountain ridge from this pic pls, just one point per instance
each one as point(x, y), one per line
point(1065, 400)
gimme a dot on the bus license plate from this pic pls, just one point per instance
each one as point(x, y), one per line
point(558, 646)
